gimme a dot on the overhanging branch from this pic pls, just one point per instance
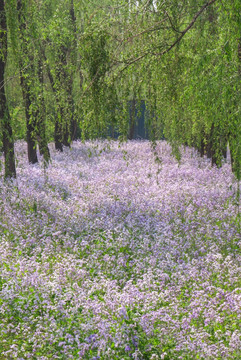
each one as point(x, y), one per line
point(183, 33)
point(187, 28)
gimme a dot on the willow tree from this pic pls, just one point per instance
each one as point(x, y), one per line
point(31, 78)
point(149, 37)
point(207, 91)
point(7, 133)
point(233, 79)
point(25, 59)
point(60, 56)
point(182, 58)
point(190, 56)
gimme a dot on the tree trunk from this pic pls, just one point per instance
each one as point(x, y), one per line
point(7, 134)
point(42, 140)
point(57, 125)
point(202, 147)
point(73, 125)
point(209, 145)
point(58, 136)
point(32, 152)
point(224, 144)
point(215, 159)
point(132, 119)
point(66, 136)
point(26, 90)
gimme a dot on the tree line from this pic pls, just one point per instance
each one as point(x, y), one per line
point(72, 68)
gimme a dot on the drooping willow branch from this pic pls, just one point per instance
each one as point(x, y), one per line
point(183, 33)
point(187, 28)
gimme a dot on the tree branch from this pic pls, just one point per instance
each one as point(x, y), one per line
point(183, 33)
point(187, 28)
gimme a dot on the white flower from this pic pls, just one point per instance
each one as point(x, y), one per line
point(154, 357)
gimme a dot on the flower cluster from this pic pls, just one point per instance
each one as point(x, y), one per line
point(107, 254)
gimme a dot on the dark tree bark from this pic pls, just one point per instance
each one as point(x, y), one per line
point(73, 126)
point(215, 159)
point(26, 90)
point(224, 144)
point(132, 119)
point(66, 137)
point(215, 147)
point(202, 147)
point(58, 136)
point(42, 140)
point(32, 152)
point(210, 149)
point(7, 134)
point(209, 145)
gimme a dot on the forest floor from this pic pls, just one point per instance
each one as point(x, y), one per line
point(109, 254)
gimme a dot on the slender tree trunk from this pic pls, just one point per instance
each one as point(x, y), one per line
point(61, 134)
point(73, 126)
point(209, 149)
point(58, 136)
point(215, 159)
point(202, 148)
point(132, 119)
point(32, 152)
point(42, 140)
point(224, 144)
point(212, 152)
point(57, 125)
point(26, 90)
point(7, 134)
point(66, 137)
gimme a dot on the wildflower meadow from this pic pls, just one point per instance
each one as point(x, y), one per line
point(110, 254)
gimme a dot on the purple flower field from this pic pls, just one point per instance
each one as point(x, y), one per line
point(107, 254)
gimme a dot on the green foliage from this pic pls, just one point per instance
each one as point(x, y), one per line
point(97, 57)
